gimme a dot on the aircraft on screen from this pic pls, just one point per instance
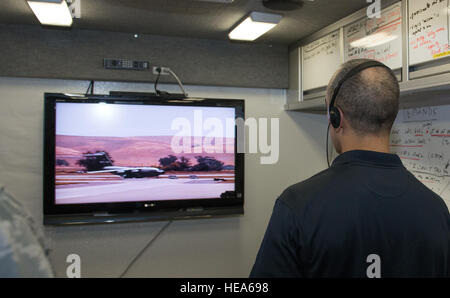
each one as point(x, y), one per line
point(125, 172)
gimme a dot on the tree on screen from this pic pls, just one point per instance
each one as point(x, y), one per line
point(207, 163)
point(173, 163)
point(61, 163)
point(184, 163)
point(95, 161)
point(167, 163)
point(204, 163)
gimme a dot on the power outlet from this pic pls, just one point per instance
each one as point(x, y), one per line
point(75, 8)
point(164, 70)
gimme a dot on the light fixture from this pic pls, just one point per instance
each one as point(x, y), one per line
point(51, 12)
point(216, 1)
point(283, 4)
point(255, 25)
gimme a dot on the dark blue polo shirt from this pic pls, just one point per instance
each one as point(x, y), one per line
point(366, 203)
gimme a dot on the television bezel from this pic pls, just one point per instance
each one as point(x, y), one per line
point(140, 210)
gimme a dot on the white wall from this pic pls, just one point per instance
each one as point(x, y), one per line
point(217, 247)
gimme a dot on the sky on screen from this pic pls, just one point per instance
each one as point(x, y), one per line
point(122, 120)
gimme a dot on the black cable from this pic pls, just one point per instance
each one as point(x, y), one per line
point(158, 92)
point(144, 249)
point(328, 133)
point(90, 87)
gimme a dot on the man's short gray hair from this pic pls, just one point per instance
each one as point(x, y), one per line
point(369, 100)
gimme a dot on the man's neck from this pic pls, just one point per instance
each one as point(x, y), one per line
point(368, 143)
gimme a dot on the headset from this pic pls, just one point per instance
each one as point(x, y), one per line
point(333, 112)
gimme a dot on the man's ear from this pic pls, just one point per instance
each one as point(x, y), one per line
point(343, 122)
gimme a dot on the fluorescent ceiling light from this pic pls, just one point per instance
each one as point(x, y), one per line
point(217, 1)
point(51, 12)
point(255, 25)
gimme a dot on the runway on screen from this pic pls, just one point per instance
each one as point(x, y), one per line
point(99, 189)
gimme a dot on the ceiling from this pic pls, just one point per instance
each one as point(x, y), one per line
point(191, 18)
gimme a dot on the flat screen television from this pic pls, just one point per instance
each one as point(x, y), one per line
point(115, 158)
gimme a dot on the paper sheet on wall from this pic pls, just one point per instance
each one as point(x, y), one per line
point(421, 138)
point(428, 30)
point(321, 58)
point(378, 38)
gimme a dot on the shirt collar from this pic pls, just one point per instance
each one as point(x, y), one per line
point(369, 157)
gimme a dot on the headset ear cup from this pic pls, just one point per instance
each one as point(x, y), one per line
point(335, 117)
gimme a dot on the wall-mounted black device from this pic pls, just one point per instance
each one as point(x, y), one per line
point(125, 64)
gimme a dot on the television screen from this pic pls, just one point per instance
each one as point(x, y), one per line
point(128, 155)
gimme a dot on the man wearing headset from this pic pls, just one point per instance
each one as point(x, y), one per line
point(365, 216)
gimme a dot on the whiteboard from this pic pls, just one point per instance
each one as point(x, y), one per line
point(421, 138)
point(377, 38)
point(321, 59)
point(428, 30)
